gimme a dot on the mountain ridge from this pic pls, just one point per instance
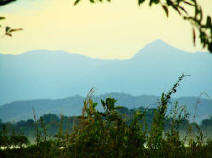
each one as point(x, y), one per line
point(154, 43)
point(22, 110)
point(59, 75)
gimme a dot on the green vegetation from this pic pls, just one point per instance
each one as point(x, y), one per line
point(112, 132)
point(116, 131)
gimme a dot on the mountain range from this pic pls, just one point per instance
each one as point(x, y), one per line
point(41, 74)
point(22, 110)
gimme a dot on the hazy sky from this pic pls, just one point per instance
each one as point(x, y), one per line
point(109, 30)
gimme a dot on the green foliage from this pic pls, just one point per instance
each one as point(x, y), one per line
point(113, 132)
point(8, 30)
point(19, 140)
point(12, 140)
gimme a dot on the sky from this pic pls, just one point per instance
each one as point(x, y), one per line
point(103, 30)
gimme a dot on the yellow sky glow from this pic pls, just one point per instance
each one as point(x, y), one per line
point(109, 30)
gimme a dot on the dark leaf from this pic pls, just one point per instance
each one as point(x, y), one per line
point(8, 34)
point(169, 2)
point(5, 2)
point(2, 18)
point(175, 7)
point(166, 10)
point(194, 37)
point(7, 29)
point(153, 2)
point(14, 30)
point(210, 47)
point(76, 2)
point(188, 3)
point(140, 2)
point(208, 23)
point(183, 10)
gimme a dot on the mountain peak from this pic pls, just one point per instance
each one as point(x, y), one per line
point(158, 44)
point(158, 41)
point(158, 47)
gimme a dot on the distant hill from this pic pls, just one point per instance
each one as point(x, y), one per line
point(57, 74)
point(22, 110)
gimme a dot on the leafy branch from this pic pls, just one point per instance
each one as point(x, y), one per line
point(8, 30)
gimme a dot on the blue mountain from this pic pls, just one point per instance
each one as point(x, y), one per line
point(57, 74)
